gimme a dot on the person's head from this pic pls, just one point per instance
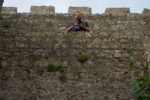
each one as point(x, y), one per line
point(78, 15)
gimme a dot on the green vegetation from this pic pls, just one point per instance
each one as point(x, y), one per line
point(82, 57)
point(130, 62)
point(141, 88)
point(53, 68)
point(48, 68)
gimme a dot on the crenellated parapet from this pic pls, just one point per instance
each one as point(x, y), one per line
point(50, 10)
point(9, 10)
point(146, 11)
point(117, 11)
point(42, 10)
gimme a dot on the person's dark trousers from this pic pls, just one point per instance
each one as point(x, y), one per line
point(1, 5)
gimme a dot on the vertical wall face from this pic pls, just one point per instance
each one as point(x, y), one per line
point(42, 10)
point(29, 43)
point(1, 4)
point(9, 10)
point(116, 11)
point(146, 11)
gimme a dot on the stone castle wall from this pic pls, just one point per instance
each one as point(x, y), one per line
point(117, 47)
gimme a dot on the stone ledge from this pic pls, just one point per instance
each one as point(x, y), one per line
point(9, 10)
point(42, 10)
point(83, 10)
point(117, 11)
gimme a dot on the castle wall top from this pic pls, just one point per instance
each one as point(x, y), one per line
point(48, 10)
point(117, 11)
point(83, 10)
point(146, 11)
point(42, 10)
point(9, 10)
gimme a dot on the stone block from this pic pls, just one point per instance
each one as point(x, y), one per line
point(146, 11)
point(83, 10)
point(42, 10)
point(117, 11)
point(9, 10)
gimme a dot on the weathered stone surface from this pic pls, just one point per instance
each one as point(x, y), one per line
point(83, 10)
point(116, 48)
point(9, 10)
point(117, 11)
point(1, 5)
point(146, 11)
point(42, 10)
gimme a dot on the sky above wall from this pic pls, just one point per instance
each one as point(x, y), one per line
point(98, 6)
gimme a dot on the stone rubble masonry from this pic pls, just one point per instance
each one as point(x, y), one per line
point(146, 11)
point(9, 10)
point(83, 10)
point(117, 11)
point(117, 47)
point(42, 10)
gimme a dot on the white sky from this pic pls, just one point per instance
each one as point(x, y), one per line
point(98, 6)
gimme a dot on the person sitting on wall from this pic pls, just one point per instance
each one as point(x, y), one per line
point(79, 24)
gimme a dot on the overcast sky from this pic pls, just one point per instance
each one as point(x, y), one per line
point(98, 6)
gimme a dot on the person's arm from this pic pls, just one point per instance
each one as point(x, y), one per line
point(85, 27)
point(69, 28)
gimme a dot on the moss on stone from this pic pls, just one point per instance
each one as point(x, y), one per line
point(53, 68)
point(82, 57)
point(130, 62)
